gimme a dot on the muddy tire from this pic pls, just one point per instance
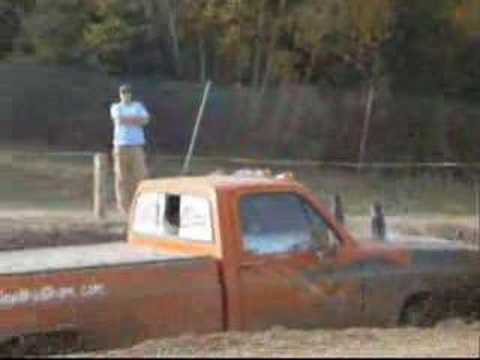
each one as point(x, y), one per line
point(420, 311)
point(13, 348)
point(42, 345)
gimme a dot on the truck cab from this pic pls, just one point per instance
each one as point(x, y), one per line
point(281, 256)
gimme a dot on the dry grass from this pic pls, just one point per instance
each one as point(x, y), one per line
point(452, 338)
point(54, 191)
point(45, 181)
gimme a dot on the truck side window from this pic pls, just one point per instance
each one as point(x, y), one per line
point(185, 217)
point(281, 223)
point(323, 236)
point(146, 213)
point(171, 221)
point(188, 217)
point(195, 219)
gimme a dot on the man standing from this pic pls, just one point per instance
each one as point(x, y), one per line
point(129, 118)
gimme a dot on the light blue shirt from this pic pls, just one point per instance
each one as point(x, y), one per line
point(126, 135)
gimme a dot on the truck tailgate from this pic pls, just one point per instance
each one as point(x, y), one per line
point(109, 294)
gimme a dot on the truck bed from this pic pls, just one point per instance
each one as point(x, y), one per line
point(76, 257)
point(108, 294)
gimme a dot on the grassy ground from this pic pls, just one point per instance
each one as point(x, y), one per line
point(54, 190)
point(34, 179)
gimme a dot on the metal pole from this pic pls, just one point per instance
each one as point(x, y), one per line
point(186, 164)
point(477, 211)
point(337, 207)
point(378, 224)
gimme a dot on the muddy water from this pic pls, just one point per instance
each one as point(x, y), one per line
point(452, 338)
point(34, 233)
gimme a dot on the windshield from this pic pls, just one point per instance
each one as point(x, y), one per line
point(281, 223)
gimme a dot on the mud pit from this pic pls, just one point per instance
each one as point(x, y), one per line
point(451, 338)
point(33, 231)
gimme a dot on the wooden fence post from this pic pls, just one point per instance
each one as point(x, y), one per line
point(477, 212)
point(100, 171)
point(378, 224)
point(337, 208)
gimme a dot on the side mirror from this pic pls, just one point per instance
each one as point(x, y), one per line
point(327, 258)
point(331, 252)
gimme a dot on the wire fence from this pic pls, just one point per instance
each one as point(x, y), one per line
point(421, 199)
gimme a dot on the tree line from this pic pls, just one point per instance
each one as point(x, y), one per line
point(428, 49)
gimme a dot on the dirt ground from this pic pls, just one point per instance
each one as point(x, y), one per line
point(20, 230)
point(452, 338)
point(36, 228)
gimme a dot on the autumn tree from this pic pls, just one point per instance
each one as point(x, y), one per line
point(339, 32)
point(55, 29)
point(12, 14)
point(370, 27)
point(201, 28)
point(467, 16)
point(109, 37)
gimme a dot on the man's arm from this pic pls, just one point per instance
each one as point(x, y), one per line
point(134, 121)
point(115, 114)
point(142, 119)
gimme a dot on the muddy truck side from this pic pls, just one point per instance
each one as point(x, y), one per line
point(219, 253)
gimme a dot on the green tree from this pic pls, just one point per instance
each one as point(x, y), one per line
point(200, 27)
point(117, 23)
point(55, 29)
point(467, 16)
point(12, 14)
point(424, 59)
point(342, 32)
point(421, 54)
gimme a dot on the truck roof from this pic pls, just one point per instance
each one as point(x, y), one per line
point(216, 182)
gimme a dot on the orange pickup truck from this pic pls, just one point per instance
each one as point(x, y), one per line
point(224, 252)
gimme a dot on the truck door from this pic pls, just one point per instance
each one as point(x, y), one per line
point(288, 271)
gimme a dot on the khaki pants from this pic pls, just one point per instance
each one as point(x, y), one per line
point(130, 167)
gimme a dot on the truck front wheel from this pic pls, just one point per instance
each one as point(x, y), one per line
point(420, 311)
